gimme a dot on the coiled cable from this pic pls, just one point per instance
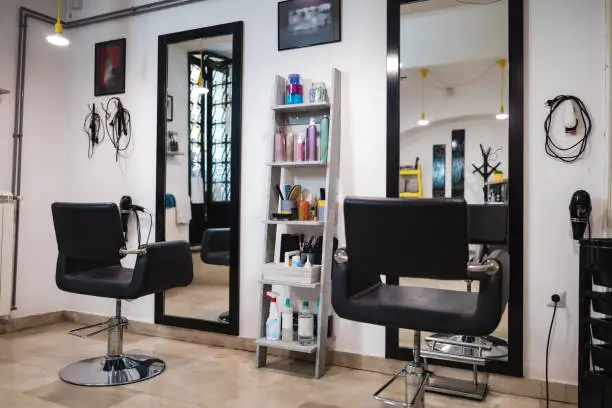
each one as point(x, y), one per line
point(118, 125)
point(574, 152)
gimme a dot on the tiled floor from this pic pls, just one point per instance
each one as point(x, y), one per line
point(196, 376)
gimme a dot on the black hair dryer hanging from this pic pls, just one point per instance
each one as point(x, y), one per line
point(580, 212)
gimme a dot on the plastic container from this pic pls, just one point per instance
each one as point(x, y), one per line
point(324, 144)
point(294, 91)
point(311, 140)
point(273, 323)
point(318, 92)
point(287, 322)
point(305, 325)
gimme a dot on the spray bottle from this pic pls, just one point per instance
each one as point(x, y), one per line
point(273, 324)
point(287, 324)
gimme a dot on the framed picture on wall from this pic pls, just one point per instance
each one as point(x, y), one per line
point(169, 108)
point(304, 23)
point(110, 68)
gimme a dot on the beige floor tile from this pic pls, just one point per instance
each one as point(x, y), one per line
point(22, 377)
point(10, 399)
point(74, 396)
point(152, 401)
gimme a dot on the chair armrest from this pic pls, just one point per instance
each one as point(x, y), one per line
point(165, 265)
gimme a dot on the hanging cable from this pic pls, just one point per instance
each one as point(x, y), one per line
point(118, 125)
point(92, 127)
point(567, 154)
point(555, 299)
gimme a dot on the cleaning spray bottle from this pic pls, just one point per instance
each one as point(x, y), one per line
point(273, 324)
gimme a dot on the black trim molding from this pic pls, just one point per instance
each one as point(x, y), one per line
point(514, 365)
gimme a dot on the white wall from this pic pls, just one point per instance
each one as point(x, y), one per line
point(45, 148)
point(177, 176)
point(557, 61)
point(425, 39)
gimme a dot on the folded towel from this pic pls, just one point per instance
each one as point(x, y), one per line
point(183, 209)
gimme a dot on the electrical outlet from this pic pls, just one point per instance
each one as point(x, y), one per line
point(562, 296)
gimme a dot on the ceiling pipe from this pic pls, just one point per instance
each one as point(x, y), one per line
point(24, 15)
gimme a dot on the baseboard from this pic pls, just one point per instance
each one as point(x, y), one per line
point(566, 393)
point(8, 325)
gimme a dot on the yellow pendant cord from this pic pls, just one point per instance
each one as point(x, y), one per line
point(201, 79)
point(502, 66)
point(424, 72)
point(58, 25)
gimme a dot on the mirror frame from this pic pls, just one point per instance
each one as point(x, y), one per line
point(236, 29)
point(514, 365)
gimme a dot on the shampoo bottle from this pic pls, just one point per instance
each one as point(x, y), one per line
point(273, 324)
point(289, 147)
point(324, 148)
point(311, 140)
point(287, 322)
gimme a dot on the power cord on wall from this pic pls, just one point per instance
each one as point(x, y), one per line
point(556, 299)
point(93, 129)
point(118, 125)
point(567, 154)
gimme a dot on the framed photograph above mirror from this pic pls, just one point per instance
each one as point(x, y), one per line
point(198, 172)
point(455, 129)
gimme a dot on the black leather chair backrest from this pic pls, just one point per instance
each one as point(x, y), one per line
point(420, 238)
point(488, 224)
point(216, 246)
point(88, 233)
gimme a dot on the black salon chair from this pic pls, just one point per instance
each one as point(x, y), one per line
point(420, 238)
point(216, 251)
point(91, 244)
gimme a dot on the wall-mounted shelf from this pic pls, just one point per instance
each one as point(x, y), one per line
point(302, 164)
point(4, 91)
point(274, 282)
point(496, 182)
point(302, 107)
point(175, 154)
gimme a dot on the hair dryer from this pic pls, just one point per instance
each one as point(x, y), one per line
point(580, 212)
point(126, 207)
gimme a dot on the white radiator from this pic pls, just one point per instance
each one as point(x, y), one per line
point(7, 228)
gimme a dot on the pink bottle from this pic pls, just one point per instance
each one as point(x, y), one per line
point(301, 148)
point(279, 154)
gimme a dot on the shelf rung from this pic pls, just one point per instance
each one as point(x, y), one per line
point(290, 284)
point(302, 164)
point(297, 223)
point(284, 345)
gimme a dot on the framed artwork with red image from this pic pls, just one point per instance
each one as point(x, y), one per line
point(110, 68)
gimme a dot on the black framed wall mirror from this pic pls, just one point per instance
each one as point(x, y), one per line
point(455, 105)
point(199, 121)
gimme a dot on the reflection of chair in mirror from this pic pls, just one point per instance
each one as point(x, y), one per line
point(425, 238)
point(216, 251)
point(91, 244)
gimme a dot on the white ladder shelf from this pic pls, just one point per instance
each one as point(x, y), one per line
point(327, 228)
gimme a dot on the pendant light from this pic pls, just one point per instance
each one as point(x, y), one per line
point(202, 89)
point(58, 38)
point(423, 121)
point(502, 115)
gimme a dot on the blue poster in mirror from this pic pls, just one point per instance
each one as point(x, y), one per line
point(458, 163)
point(439, 171)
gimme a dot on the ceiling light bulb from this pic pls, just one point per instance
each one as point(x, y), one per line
point(502, 116)
point(423, 122)
point(201, 89)
point(58, 40)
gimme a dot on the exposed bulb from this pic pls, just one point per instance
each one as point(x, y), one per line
point(423, 122)
point(58, 40)
point(502, 116)
point(201, 89)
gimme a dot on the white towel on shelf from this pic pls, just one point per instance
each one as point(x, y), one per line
point(183, 209)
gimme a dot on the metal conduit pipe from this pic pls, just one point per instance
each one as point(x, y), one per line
point(24, 15)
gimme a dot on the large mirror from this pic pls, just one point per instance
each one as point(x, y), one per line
point(198, 170)
point(455, 111)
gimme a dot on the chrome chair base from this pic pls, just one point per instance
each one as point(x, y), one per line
point(457, 388)
point(108, 371)
point(415, 377)
point(489, 348)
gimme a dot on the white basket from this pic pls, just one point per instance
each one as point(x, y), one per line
point(280, 272)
